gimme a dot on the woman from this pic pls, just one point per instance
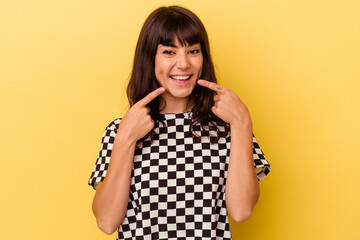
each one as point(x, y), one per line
point(168, 159)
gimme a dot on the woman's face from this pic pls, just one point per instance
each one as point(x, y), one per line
point(177, 68)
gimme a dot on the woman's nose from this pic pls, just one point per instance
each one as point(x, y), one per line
point(182, 61)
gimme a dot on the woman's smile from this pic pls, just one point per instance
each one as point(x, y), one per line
point(181, 80)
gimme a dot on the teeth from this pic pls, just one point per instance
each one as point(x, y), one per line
point(181, 77)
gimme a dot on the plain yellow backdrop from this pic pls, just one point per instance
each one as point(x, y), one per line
point(64, 66)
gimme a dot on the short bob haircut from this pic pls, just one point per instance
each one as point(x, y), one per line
point(162, 27)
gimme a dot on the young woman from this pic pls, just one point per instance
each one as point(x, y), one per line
point(184, 154)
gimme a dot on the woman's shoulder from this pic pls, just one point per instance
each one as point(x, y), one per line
point(114, 124)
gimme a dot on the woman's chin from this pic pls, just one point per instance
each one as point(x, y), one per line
point(180, 94)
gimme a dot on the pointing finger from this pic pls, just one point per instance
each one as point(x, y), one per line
point(151, 96)
point(210, 85)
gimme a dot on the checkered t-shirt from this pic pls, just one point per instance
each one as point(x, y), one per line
point(177, 183)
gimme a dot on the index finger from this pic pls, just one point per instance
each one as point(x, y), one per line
point(151, 96)
point(210, 85)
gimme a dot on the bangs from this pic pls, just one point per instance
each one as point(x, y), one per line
point(182, 27)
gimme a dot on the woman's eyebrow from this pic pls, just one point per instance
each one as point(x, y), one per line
point(170, 45)
point(175, 46)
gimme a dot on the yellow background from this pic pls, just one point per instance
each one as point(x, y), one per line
point(63, 70)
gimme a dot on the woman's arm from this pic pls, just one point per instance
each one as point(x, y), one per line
point(112, 195)
point(242, 187)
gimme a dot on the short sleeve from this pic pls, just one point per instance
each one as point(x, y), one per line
point(262, 166)
point(103, 160)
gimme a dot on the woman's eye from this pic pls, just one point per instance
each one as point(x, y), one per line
point(168, 52)
point(194, 51)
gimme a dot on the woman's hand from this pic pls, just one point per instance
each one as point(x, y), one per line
point(228, 106)
point(137, 122)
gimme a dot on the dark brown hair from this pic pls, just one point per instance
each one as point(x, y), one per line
point(161, 27)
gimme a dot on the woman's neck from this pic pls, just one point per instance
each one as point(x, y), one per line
point(176, 105)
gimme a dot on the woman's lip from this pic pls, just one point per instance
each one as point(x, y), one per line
point(178, 82)
point(181, 75)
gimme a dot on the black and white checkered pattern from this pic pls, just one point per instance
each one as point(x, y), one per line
point(178, 183)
